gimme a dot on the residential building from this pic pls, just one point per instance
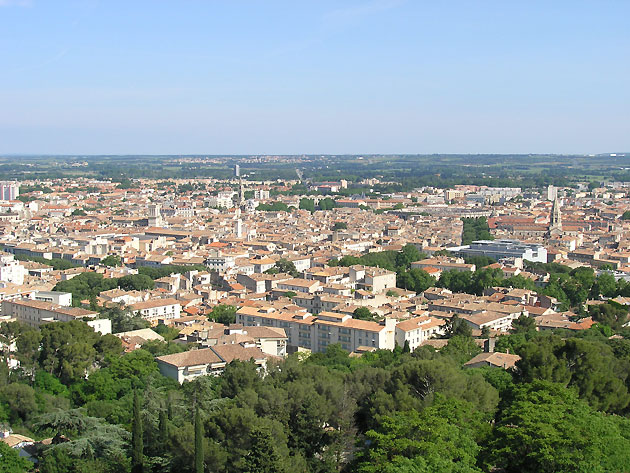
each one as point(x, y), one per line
point(157, 309)
point(211, 361)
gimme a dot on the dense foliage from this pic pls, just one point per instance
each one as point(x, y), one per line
point(475, 229)
point(383, 412)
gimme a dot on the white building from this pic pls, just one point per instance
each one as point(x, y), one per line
point(417, 330)
point(157, 309)
point(261, 194)
point(11, 271)
point(498, 249)
point(223, 200)
point(59, 298)
point(9, 190)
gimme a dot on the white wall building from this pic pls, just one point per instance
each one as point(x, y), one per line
point(11, 270)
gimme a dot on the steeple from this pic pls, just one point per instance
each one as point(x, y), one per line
point(556, 216)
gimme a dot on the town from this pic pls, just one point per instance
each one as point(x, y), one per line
point(200, 274)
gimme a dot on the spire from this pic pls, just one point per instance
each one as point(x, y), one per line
point(556, 215)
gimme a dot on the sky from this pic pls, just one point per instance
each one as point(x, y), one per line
point(314, 77)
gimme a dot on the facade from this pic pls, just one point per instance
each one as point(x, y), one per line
point(496, 321)
point(36, 313)
point(444, 264)
point(158, 309)
point(59, 298)
point(376, 280)
point(11, 271)
point(315, 333)
point(271, 340)
point(417, 330)
point(9, 190)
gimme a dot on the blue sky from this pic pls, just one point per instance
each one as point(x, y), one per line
point(262, 77)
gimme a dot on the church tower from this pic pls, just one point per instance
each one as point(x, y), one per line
point(556, 216)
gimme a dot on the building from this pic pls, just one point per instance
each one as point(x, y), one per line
point(261, 194)
point(211, 361)
point(59, 298)
point(157, 309)
point(11, 271)
point(36, 313)
point(504, 248)
point(315, 333)
point(495, 359)
point(417, 330)
point(271, 340)
point(371, 279)
point(155, 215)
point(9, 190)
point(444, 264)
point(496, 321)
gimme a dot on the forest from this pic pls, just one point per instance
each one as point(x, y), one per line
point(563, 409)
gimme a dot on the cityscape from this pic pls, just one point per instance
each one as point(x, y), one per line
point(369, 236)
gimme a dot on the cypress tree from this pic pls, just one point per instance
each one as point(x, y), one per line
point(137, 444)
point(162, 426)
point(198, 442)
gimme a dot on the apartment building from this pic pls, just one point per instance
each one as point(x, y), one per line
point(157, 309)
point(417, 330)
point(211, 361)
point(315, 333)
point(496, 321)
point(36, 313)
point(299, 285)
point(375, 280)
point(11, 271)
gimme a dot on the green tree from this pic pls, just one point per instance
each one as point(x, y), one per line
point(198, 442)
point(307, 204)
point(545, 428)
point(123, 320)
point(441, 438)
point(136, 282)
point(262, 456)
point(417, 280)
point(20, 399)
point(68, 349)
point(461, 348)
point(605, 284)
point(283, 265)
point(458, 327)
point(327, 204)
point(409, 254)
point(11, 461)
point(524, 324)
point(224, 314)
point(111, 261)
point(137, 451)
point(363, 313)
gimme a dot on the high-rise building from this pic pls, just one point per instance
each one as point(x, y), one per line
point(552, 193)
point(9, 190)
point(237, 170)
